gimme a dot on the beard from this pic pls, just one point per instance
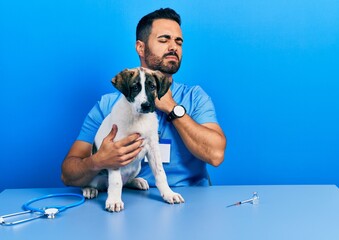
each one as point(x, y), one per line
point(157, 63)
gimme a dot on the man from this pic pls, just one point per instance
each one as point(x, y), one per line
point(196, 138)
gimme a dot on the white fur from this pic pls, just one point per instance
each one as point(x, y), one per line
point(128, 119)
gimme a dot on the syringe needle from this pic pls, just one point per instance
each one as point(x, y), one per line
point(234, 204)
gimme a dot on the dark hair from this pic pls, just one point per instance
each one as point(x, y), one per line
point(145, 24)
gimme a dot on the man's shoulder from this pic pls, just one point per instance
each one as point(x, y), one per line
point(192, 90)
point(181, 87)
point(110, 96)
point(109, 99)
point(105, 103)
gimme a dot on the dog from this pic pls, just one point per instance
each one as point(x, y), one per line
point(134, 113)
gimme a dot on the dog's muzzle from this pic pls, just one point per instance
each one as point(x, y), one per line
point(147, 107)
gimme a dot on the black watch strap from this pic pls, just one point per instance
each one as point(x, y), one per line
point(171, 116)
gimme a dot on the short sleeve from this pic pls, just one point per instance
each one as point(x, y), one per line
point(203, 110)
point(96, 116)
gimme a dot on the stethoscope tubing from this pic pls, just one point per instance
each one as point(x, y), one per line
point(27, 206)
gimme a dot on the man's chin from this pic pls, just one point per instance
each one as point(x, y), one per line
point(171, 68)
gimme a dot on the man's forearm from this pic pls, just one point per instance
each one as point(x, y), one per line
point(77, 171)
point(207, 142)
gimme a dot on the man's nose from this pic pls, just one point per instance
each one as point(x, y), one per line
point(173, 46)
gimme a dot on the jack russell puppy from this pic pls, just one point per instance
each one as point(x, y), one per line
point(134, 113)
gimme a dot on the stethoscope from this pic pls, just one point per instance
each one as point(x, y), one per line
point(48, 211)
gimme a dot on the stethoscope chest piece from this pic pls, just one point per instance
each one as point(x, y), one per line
point(51, 212)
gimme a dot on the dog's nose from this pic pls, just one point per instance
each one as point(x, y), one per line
point(146, 107)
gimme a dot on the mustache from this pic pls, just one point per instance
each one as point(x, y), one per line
point(172, 53)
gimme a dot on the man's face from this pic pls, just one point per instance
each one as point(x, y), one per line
point(163, 51)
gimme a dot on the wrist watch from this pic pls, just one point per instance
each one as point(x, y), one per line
point(177, 112)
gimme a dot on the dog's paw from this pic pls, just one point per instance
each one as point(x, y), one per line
point(89, 192)
point(172, 197)
point(138, 183)
point(116, 205)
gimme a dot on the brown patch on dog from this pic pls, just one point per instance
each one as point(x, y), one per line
point(122, 80)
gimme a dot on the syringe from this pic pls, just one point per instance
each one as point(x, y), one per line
point(253, 200)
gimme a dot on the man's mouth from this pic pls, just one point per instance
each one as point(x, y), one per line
point(172, 56)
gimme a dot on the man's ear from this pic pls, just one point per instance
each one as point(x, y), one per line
point(121, 81)
point(163, 83)
point(140, 48)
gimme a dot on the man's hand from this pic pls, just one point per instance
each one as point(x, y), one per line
point(80, 166)
point(166, 103)
point(116, 154)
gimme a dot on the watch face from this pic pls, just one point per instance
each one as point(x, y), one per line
point(179, 111)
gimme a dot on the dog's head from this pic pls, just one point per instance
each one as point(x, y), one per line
point(141, 86)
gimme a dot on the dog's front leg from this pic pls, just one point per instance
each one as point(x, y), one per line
point(114, 202)
point(154, 159)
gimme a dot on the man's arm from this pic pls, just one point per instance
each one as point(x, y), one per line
point(80, 166)
point(205, 141)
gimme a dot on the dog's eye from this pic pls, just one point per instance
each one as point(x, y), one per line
point(152, 87)
point(135, 88)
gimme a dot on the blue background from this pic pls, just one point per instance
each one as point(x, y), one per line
point(271, 68)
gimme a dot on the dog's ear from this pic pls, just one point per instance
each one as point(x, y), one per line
point(121, 81)
point(163, 83)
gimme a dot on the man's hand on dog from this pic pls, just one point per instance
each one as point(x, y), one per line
point(115, 154)
point(166, 103)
